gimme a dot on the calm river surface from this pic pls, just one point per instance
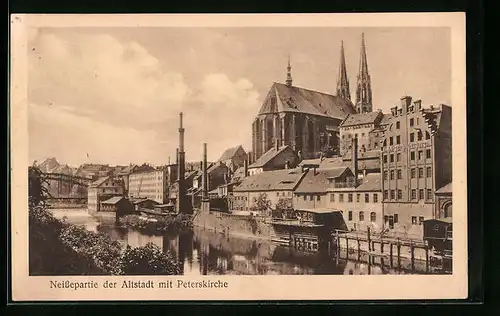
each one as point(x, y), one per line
point(203, 252)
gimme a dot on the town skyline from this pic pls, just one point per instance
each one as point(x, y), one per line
point(106, 90)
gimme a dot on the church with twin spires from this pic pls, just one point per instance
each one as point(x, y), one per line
point(306, 120)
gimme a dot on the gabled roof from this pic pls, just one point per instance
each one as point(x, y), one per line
point(445, 189)
point(315, 181)
point(268, 156)
point(99, 182)
point(363, 118)
point(371, 182)
point(369, 154)
point(285, 179)
point(300, 100)
point(141, 200)
point(325, 163)
point(230, 152)
point(113, 200)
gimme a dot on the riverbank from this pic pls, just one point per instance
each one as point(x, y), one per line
point(58, 247)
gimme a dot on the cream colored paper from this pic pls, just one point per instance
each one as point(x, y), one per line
point(321, 287)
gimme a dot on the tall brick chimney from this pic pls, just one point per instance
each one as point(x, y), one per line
point(354, 157)
point(204, 178)
point(182, 206)
point(245, 167)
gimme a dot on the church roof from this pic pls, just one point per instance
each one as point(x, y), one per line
point(300, 100)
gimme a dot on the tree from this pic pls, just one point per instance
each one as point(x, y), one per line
point(37, 192)
point(261, 203)
point(148, 260)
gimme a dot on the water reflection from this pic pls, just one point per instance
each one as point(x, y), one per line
point(204, 252)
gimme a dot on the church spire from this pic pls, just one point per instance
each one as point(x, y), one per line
point(343, 90)
point(289, 73)
point(364, 88)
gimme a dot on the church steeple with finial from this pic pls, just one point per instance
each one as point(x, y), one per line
point(343, 90)
point(364, 88)
point(289, 73)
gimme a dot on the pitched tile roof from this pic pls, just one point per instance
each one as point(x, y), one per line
point(285, 179)
point(300, 100)
point(99, 182)
point(363, 118)
point(371, 182)
point(230, 152)
point(113, 200)
point(326, 163)
point(268, 156)
point(445, 189)
point(318, 182)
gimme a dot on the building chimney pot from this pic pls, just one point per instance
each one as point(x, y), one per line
point(245, 167)
point(354, 158)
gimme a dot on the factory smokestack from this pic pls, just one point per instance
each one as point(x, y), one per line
point(354, 157)
point(182, 206)
point(205, 174)
point(245, 167)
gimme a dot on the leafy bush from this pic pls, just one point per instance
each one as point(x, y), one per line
point(162, 223)
point(148, 260)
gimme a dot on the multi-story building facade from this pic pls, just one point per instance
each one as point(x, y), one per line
point(359, 201)
point(416, 160)
point(151, 184)
point(102, 190)
point(363, 126)
point(273, 185)
point(312, 191)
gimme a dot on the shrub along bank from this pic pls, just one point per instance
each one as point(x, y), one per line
point(156, 224)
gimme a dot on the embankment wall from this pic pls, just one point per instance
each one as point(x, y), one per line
point(234, 225)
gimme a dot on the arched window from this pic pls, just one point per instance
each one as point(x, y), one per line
point(427, 135)
point(361, 216)
point(373, 217)
point(448, 210)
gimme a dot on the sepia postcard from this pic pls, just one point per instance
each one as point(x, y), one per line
point(238, 157)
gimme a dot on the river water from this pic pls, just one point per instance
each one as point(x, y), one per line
point(204, 252)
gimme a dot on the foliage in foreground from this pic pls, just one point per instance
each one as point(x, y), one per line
point(59, 248)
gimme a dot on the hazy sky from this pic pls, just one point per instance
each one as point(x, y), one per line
point(115, 94)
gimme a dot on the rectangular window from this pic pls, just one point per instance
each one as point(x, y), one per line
point(398, 140)
point(413, 173)
point(414, 220)
point(412, 137)
point(398, 157)
point(385, 175)
point(375, 197)
point(411, 122)
point(392, 158)
point(392, 174)
point(420, 155)
point(367, 198)
point(421, 220)
point(420, 172)
point(393, 195)
point(385, 158)
point(341, 197)
point(318, 198)
point(357, 197)
point(310, 197)
point(420, 135)
point(412, 155)
point(400, 174)
point(277, 194)
point(395, 218)
point(361, 216)
point(421, 194)
point(391, 141)
point(305, 197)
point(413, 194)
point(400, 194)
point(386, 194)
point(373, 217)
point(350, 215)
point(398, 125)
point(428, 153)
point(349, 197)
point(428, 172)
point(429, 194)
point(332, 197)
